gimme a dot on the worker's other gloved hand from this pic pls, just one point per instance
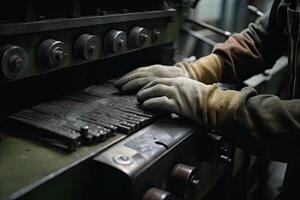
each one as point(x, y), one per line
point(205, 104)
point(207, 69)
point(135, 80)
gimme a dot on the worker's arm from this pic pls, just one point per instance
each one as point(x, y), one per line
point(244, 54)
point(260, 124)
point(241, 56)
point(256, 48)
point(267, 126)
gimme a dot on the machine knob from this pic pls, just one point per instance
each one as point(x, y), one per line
point(14, 60)
point(184, 180)
point(115, 42)
point(87, 47)
point(158, 194)
point(52, 53)
point(138, 36)
point(155, 35)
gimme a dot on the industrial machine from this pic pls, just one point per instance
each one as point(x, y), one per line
point(67, 133)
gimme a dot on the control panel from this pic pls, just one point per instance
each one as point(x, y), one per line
point(41, 46)
point(167, 160)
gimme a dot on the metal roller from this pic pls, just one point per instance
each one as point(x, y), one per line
point(184, 180)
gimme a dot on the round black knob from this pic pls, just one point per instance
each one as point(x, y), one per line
point(138, 37)
point(87, 47)
point(155, 35)
point(184, 180)
point(14, 60)
point(115, 42)
point(52, 53)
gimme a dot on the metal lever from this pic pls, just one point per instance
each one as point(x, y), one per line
point(199, 36)
point(254, 10)
point(209, 27)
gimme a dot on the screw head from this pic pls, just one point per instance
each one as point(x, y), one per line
point(121, 43)
point(143, 38)
point(58, 54)
point(123, 160)
point(16, 64)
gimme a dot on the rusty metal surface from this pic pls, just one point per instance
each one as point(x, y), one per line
point(26, 164)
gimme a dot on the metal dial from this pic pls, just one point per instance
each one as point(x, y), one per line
point(138, 36)
point(14, 60)
point(115, 42)
point(87, 47)
point(52, 53)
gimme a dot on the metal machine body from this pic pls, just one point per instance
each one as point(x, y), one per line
point(55, 61)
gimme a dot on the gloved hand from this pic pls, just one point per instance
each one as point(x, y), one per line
point(207, 69)
point(205, 104)
point(135, 80)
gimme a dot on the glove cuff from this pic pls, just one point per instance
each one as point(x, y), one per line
point(207, 69)
point(221, 106)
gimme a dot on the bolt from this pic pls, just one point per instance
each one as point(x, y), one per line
point(143, 38)
point(121, 43)
point(16, 63)
point(123, 160)
point(58, 54)
point(91, 49)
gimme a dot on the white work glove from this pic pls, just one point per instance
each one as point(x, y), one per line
point(204, 104)
point(138, 78)
point(207, 69)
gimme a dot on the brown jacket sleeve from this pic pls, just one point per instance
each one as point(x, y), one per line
point(256, 48)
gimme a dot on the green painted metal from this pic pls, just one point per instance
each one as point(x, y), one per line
point(25, 164)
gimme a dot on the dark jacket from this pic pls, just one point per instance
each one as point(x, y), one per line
point(268, 126)
point(273, 123)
